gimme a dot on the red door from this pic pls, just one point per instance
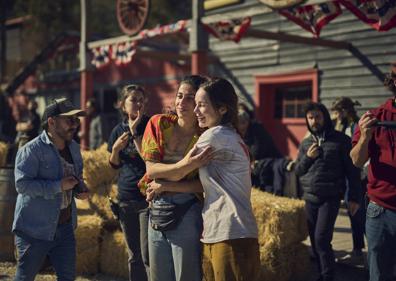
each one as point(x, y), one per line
point(280, 101)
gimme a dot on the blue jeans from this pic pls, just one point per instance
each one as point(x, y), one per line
point(381, 242)
point(134, 224)
point(61, 252)
point(175, 255)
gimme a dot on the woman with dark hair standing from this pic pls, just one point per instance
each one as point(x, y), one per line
point(124, 144)
point(231, 250)
point(174, 246)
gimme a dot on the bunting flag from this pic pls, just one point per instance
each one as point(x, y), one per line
point(101, 56)
point(380, 14)
point(122, 53)
point(164, 29)
point(229, 29)
point(313, 17)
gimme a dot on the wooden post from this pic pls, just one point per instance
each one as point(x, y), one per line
point(198, 40)
point(86, 79)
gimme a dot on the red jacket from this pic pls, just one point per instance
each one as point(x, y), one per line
point(381, 187)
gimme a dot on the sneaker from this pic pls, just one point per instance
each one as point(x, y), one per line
point(290, 166)
point(354, 258)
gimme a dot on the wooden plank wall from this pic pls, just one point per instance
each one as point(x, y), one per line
point(341, 74)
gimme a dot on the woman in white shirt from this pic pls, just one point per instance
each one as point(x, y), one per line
point(230, 245)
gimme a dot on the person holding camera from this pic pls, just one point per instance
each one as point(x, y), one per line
point(48, 175)
point(374, 140)
point(323, 166)
point(124, 144)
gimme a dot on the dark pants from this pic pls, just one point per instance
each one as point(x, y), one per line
point(134, 224)
point(381, 242)
point(358, 221)
point(321, 218)
point(269, 174)
point(61, 252)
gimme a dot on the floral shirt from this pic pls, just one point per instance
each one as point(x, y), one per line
point(158, 131)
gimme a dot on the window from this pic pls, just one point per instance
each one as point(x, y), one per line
point(290, 100)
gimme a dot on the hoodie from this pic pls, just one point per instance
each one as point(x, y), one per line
point(381, 187)
point(324, 178)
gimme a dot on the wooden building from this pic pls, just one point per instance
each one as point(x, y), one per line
point(279, 76)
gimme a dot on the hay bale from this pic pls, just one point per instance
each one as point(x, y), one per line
point(88, 241)
point(279, 219)
point(3, 154)
point(284, 264)
point(100, 203)
point(97, 171)
point(113, 255)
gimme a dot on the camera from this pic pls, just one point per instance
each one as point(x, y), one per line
point(386, 124)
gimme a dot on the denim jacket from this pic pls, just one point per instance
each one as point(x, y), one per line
point(38, 174)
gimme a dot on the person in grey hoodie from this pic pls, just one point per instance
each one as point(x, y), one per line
point(323, 166)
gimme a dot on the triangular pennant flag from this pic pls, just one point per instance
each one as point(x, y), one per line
point(229, 29)
point(313, 17)
point(123, 53)
point(380, 14)
point(101, 56)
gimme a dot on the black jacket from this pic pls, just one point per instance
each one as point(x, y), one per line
point(325, 177)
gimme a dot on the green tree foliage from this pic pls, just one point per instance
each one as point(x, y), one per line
point(51, 17)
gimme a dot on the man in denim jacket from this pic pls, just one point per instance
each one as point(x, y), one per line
point(48, 174)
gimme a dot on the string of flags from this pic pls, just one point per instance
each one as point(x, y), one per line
point(380, 14)
point(122, 53)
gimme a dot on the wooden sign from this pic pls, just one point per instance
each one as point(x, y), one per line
point(281, 4)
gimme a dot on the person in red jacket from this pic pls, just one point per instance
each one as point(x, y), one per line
point(378, 144)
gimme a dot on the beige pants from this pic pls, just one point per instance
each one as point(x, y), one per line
point(231, 260)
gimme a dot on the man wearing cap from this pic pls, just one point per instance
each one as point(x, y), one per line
point(48, 175)
point(346, 120)
point(378, 144)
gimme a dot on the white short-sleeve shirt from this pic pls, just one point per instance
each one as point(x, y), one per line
point(227, 212)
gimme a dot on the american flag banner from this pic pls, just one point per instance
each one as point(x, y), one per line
point(229, 29)
point(101, 56)
point(380, 14)
point(123, 53)
point(313, 17)
point(164, 29)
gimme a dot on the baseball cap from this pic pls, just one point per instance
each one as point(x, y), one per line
point(61, 107)
point(344, 103)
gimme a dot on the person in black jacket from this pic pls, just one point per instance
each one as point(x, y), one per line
point(323, 166)
point(268, 164)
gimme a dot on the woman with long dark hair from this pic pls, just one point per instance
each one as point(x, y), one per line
point(175, 216)
point(124, 144)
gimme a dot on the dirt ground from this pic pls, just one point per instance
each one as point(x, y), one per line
point(7, 273)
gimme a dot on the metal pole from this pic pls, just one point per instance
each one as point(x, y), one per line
point(198, 40)
point(85, 74)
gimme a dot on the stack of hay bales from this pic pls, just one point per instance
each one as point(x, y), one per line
point(99, 175)
point(88, 237)
point(97, 171)
point(3, 154)
point(282, 228)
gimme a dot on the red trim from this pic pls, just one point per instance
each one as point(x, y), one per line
point(287, 132)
